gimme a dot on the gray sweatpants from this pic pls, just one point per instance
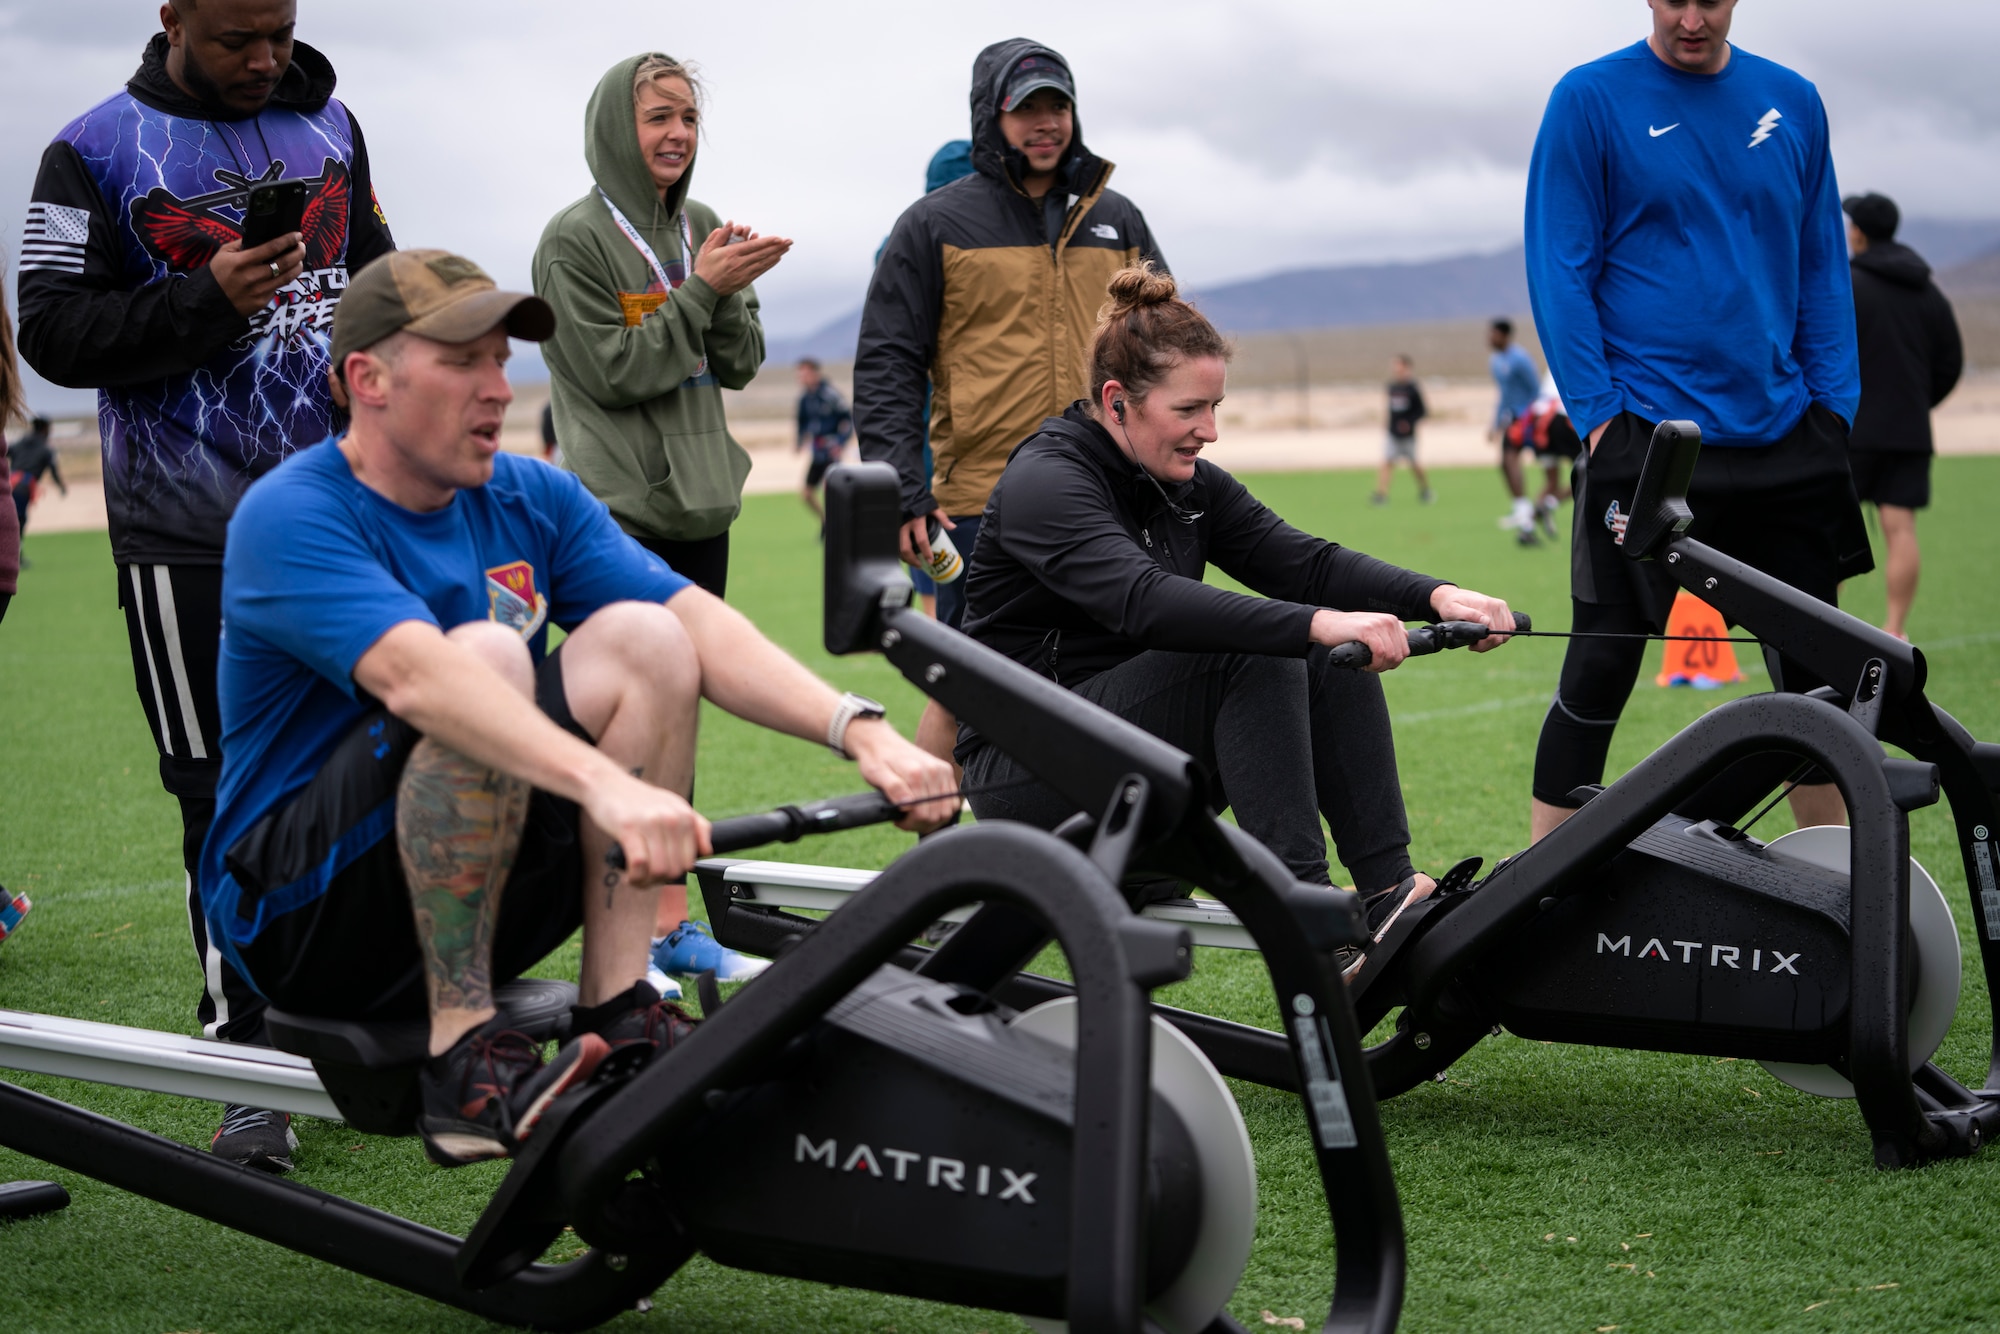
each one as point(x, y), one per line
point(1284, 740)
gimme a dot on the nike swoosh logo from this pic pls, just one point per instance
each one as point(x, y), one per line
point(1657, 133)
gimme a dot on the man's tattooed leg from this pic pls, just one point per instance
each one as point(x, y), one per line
point(458, 826)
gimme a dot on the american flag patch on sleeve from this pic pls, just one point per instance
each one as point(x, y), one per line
point(55, 237)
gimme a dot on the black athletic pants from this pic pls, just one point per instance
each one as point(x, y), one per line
point(704, 562)
point(1787, 509)
point(173, 616)
point(1285, 741)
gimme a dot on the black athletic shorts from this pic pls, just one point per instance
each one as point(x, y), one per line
point(352, 953)
point(1786, 508)
point(1887, 478)
point(821, 463)
point(1562, 443)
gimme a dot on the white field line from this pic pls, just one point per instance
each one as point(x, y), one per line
point(1961, 641)
point(1467, 710)
point(51, 894)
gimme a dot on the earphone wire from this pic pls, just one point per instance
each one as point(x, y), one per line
point(1180, 515)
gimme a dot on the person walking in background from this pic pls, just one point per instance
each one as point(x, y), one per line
point(984, 301)
point(1911, 357)
point(825, 427)
point(551, 448)
point(1406, 409)
point(210, 362)
point(1544, 431)
point(1515, 375)
point(30, 459)
point(654, 323)
point(651, 326)
point(1685, 261)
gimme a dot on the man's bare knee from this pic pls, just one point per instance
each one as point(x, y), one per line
point(499, 648)
point(624, 646)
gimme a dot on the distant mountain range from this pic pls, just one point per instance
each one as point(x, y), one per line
point(1966, 254)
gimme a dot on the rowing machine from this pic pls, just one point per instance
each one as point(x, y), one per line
point(887, 1126)
point(1649, 921)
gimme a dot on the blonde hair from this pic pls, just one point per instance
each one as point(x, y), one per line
point(657, 65)
point(13, 393)
point(1145, 330)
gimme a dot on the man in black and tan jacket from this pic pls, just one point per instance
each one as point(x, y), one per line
point(989, 289)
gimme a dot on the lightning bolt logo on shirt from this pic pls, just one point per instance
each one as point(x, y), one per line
point(1766, 123)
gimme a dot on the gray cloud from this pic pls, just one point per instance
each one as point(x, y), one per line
point(1256, 136)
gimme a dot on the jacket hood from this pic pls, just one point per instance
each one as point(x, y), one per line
point(1895, 262)
point(992, 156)
point(306, 86)
point(611, 150)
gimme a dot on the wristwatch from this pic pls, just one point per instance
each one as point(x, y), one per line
point(851, 707)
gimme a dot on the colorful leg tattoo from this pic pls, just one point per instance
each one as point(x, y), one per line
point(458, 826)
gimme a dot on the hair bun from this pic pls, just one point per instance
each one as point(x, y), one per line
point(1141, 285)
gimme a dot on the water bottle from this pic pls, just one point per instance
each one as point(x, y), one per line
point(946, 564)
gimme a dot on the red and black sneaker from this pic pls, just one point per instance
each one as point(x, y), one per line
point(636, 1024)
point(255, 1138)
point(486, 1095)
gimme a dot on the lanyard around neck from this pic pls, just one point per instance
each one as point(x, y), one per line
point(669, 276)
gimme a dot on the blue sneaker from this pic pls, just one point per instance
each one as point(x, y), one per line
point(690, 950)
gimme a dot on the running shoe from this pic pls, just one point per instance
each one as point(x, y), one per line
point(1526, 537)
point(690, 950)
point(255, 1138)
point(665, 986)
point(487, 1094)
point(1378, 499)
point(1546, 516)
point(634, 1025)
point(13, 907)
point(1427, 497)
point(1380, 911)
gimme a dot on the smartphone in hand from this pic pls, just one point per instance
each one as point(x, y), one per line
point(274, 208)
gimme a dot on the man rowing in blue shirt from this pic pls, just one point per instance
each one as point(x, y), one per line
point(1687, 259)
point(418, 795)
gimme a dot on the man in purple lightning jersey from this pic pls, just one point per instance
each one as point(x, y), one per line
point(210, 362)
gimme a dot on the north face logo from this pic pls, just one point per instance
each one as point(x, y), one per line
point(1105, 231)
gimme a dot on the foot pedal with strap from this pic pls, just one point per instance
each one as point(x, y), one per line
point(370, 1069)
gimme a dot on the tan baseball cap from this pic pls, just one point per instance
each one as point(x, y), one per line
point(435, 294)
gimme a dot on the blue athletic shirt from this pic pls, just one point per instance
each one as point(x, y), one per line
point(1686, 252)
point(1520, 383)
point(318, 568)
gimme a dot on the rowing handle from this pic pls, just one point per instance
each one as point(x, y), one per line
point(1427, 639)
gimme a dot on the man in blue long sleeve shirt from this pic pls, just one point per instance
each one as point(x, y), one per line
point(1519, 382)
point(1686, 259)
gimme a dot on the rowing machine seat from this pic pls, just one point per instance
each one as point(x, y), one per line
point(370, 1069)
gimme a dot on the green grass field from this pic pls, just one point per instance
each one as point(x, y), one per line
point(1544, 1187)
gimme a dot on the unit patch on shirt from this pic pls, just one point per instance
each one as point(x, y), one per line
point(512, 601)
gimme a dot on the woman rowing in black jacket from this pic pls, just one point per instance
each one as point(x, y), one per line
point(1089, 570)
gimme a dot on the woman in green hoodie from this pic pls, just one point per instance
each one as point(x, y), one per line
point(642, 351)
point(644, 347)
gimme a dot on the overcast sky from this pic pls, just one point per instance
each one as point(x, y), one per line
point(1257, 136)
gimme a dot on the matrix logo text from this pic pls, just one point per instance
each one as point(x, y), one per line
point(935, 1172)
point(1719, 956)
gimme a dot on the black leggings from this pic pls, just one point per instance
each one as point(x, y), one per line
point(1597, 679)
point(1285, 740)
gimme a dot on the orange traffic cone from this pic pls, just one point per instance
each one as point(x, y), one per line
point(1704, 665)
